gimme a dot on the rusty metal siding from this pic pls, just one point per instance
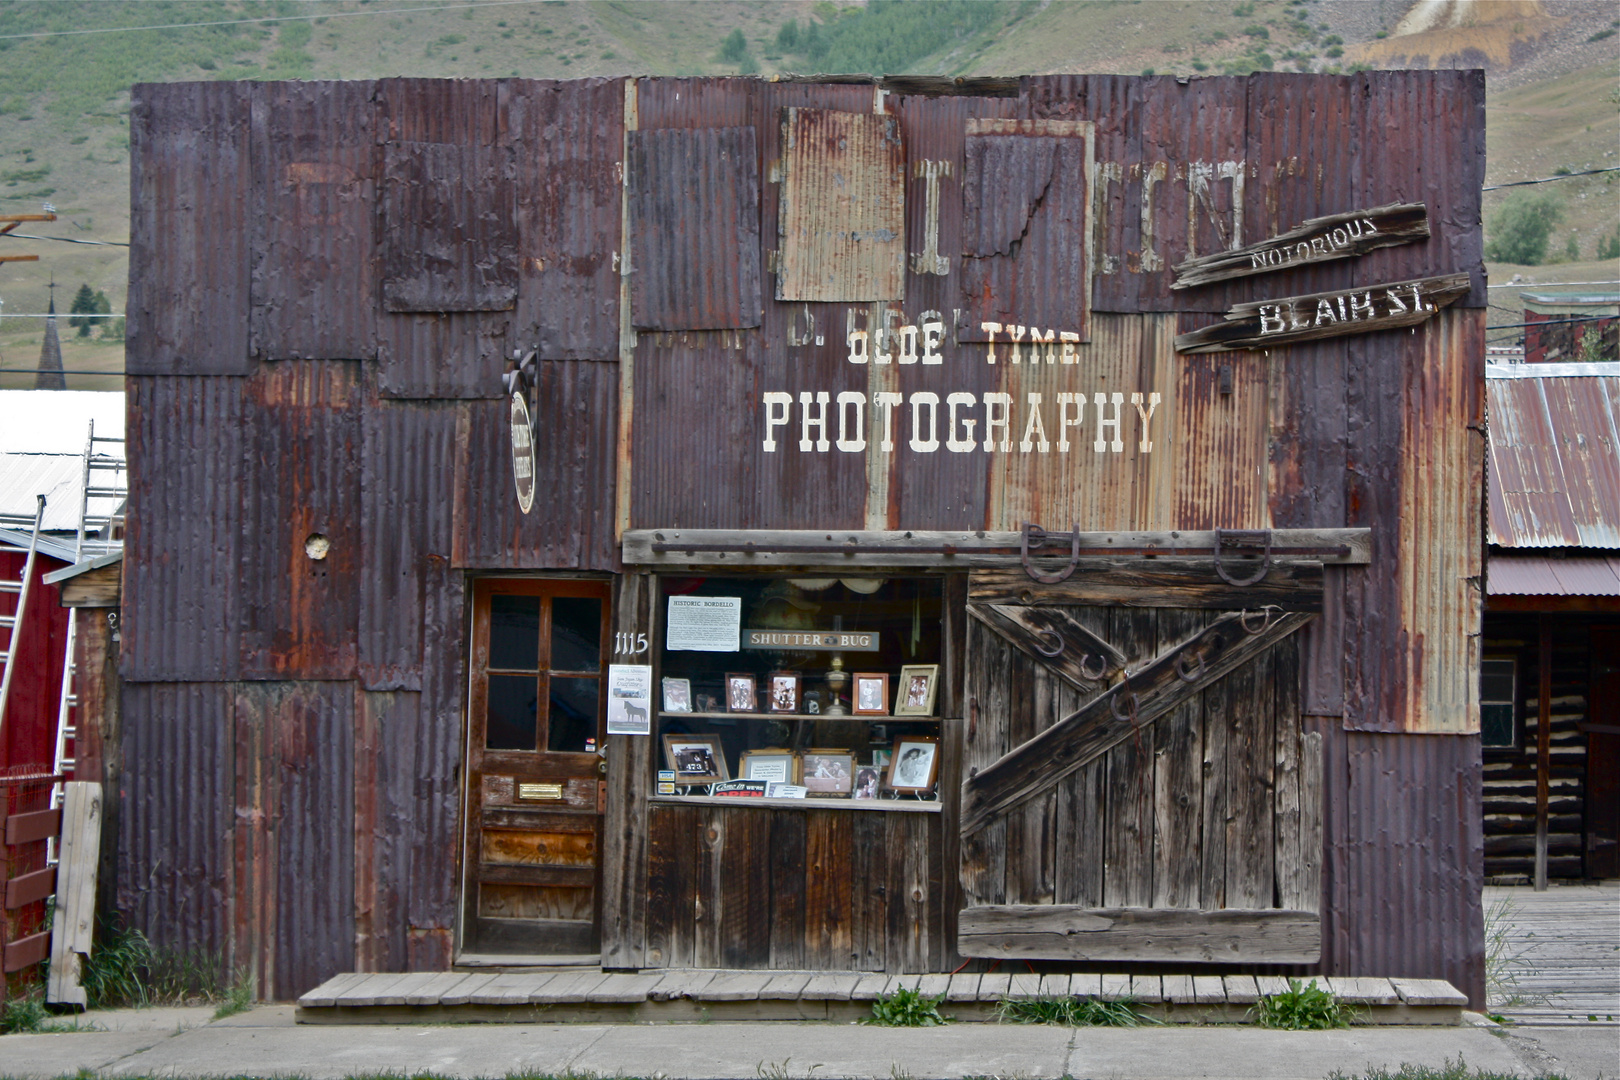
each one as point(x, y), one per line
point(314, 283)
point(1025, 194)
point(461, 111)
point(292, 880)
point(841, 220)
point(569, 138)
point(1554, 460)
point(176, 822)
point(300, 613)
point(694, 211)
point(449, 216)
point(459, 355)
point(407, 487)
point(1429, 148)
point(1405, 857)
point(190, 169)
point(572, 526)
point(182, 579)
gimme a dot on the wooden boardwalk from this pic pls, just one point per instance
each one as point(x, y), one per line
point(1559, 953)
point(590, 994)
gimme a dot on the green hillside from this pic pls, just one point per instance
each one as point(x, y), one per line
point(66, 67)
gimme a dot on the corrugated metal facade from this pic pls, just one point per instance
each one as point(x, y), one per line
point(382, 430)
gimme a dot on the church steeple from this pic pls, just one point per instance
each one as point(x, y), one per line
point(50, 376)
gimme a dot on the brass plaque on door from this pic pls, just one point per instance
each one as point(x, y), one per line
point(541, 792)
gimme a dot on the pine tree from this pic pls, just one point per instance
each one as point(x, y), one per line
point(84, 303)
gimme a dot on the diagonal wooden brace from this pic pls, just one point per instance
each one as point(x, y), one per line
point(1053, 637)
point(1106, 720)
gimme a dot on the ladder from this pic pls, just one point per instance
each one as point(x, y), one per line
point(12, 625)
point(103, 476)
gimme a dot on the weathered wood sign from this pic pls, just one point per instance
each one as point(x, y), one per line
point(1323, 239)
point(1361, 310)
point(522, 453)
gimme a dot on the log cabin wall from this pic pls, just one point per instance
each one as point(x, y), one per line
point(304, 362)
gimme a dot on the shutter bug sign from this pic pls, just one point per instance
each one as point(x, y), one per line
point(522, 454)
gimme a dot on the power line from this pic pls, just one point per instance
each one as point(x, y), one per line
point(1552, 322)
point(66, 314)
point(70, 240)
point(1550, 179)
point(55, 371)
point(266, 19)
point(1547, 284)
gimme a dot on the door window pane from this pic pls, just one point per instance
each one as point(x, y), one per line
point(514, 633)
point(573, 714)
point(576, 633)
point(1497, 691)
point(514, 702)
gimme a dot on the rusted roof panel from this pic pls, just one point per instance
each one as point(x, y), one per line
point(1025, 194)
point(842, 214)
point(407, 489)
point(694, 209)
point(1554, 455)
point(314, 239)
point(177, 814)
point(1538, 575)
point(572, 526)
point(449, 227)
point(301, 529)
point(190, 179)
point(569, 137)
point(460, 355)
point(183, 580)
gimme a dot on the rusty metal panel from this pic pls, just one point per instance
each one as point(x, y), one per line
point(572, 526)
point(449, 220)
point(406, 497)
point(1025, 226)
point(292, 844)
point(1405, 857)
point(177, 817)
point(463, 111)
point(569, 138)
point(1196, 131)
point(1584, 415)
point(699, 103)
point(301, 531)
point(694, 211)
point(1303, 140)
point(841, 220)
point(183, 583)
point(1529, 496)
point(1538, 575)
point(190, 169)
point(1222, 427)
point(1429, 148)
point(315, 156)
point(460, 355)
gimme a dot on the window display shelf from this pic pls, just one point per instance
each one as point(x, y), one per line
point(902, 806)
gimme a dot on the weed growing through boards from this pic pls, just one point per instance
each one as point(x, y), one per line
point(1302, 1008)
point(907, 1008)
point(1073, 1012)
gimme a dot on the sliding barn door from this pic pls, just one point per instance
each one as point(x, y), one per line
point(1138, 784)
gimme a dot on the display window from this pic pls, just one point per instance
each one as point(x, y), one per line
point(799, 687)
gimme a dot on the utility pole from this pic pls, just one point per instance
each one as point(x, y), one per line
point(11, 221)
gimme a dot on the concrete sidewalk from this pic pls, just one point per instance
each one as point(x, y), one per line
point(266, 1042)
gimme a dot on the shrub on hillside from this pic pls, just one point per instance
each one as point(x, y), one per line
point(1521, 227)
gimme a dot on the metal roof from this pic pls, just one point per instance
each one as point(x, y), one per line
point(1554, 468)
point(1540, 575)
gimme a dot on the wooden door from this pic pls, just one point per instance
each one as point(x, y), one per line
point(1603, 758)
point(1138, 781)
point(533, 815)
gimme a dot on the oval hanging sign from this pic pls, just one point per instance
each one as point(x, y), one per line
point(522, 454)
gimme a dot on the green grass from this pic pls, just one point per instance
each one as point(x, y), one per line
point(1302, 1008)
point(1073, 1012)
point(1457, 1070)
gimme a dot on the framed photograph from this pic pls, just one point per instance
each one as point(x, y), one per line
point(778, 766)
point(827, 774)
point(677, 695)
point(871, 693)
point(915, 765)
point(784, 692)
point(740, 694)
point(915, 697)
point(696, 759)
point(880, 759)
point(868, 778)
